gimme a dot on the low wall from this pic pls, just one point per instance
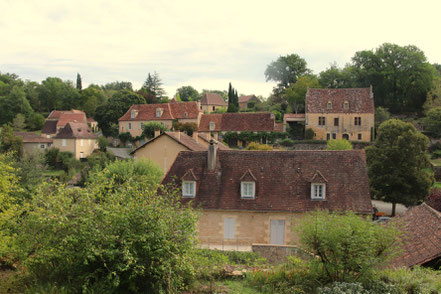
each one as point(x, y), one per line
point(276, 254)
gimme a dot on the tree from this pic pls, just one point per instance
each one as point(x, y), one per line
point(90, 99)
point(295, 93)
point(233, 100)
point(9, 142)
point(401, 76)
point(188, 128)
point(19, 122)
point(188, 93)
point(348, 247)
point(107, 115)
point(103, 143)
point(117, 86)
point(434, 96)
point(338, 144)
point(397, 164)
point(79, 83)
point(13, 103)
point(286, 70)
point(335, 77)
point(381, 115)
point(53, 94)
point(153, 85)
point(148, 129)
point(432, 122)
point(35, 121)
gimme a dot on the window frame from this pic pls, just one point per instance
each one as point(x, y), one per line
point(129, 126)
point(360, 136)
point(212, 126)
point(185, 192)
point(329, 105)
point(336, 121)
point(243, 190)
point(357, 121)
point(314, 194)
point(322, 121)
point(63, 142)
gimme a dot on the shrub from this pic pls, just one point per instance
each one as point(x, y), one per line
point(286, 142)
point(35, 121)
point(432, 122)
point(125, 137)
point(260, 147)
point(338, 144)
point(51, 157)
point(343, 288)
point(348, 247)
point(68, 162)
point(148, 129)
point(187, 128)
point(103, 143)
point(309, 134)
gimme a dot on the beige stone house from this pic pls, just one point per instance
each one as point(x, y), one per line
point(340, 113)
point(34, 143)
point(211, 102)
point(249, 197)
point(58, 119)
point(164, 148)
point(166, 113)
point(77, 138)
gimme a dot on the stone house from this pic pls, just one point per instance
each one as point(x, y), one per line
point(77, 138)
point(245, 99)
point(211, 102)
point(34, 143)
point(249, 197)
point(166, 113)
point(165, 147)
point(340, 113)
point(58, 119)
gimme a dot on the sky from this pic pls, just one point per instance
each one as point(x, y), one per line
point(205, 44)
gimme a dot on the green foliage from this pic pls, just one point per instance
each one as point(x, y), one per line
point(99, 160)
point(68, 162)
point(103, 143)
point(18, 123)
point(152, 85)
point(188, 93)
point(277, 116)
point(286, 70)
point(79, 84)
point(107, 115)
point(397, 163)
point(148, 129)
point(233, 100)
point(118, 86)
point(9, 142)
point(286, 142)
point(130, 240)
point(381, 115)
point(338, 144)
point(348, 247)
point(54, 93)
point(309, 134)
point(125, 137)
point(254, 136)
point(334, 77)
point(35, 121)
point(13, 102)
point(51, 157)
point(187, 128)
point(259, 147)
point(30, 170)
point(90, 99)
point(432, 122)
point(295, 93)
point(433, 96)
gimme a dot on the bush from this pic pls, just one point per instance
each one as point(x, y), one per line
point(343, 288)
point(432, 122)
point(51, 157)
point(338, 144)
point(68, 162)
point(35, 121)
point(286, 142)
point(125, 137)
point(260, 147)
point(187, 128)
point(103, 143)
point(348, 247)
point(309, 134)
point(148, 129)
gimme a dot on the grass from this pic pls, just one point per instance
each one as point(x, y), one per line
point(236, 287)
point(436, 162)
point(437, 185)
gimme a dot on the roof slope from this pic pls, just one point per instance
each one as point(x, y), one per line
point(422, 236)
point(56, 114)
point(29, 137)
point(207, 138)
point(75, 130)
point(434, 199)
point(49, 127)
point(213, 99)
point(170, 111)
point(282, 180)
point(247, 121)
point(360, 100)
point(246, 98)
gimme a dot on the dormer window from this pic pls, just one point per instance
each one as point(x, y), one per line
point(185, 114)
point(158, 112)
point(133, 113)
point(318, 191)
point(247, 190)
point(346, 105)
point(212, 126)
point(329, 105)
point(189, 189)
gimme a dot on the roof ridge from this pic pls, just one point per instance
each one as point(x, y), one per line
point(432, 210)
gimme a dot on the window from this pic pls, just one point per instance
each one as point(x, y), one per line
point(48, 136)
point(247, 189)
point(140, 125)
point(158, 112)
point(336, 121)
point(185, 114)
point(357, 121)
point(318, 191)
point(42, 146)
point(133, 114)
point(214, 108)
point(359, 136)
point(130, 126)
point(322, 121)
point(90, 142)
point(63, 142)
point(346, 105)
point(189, 189)
point(81, 154)
point(329, 105)
point(328, 136)
point(81, 142)
point(229, 227)
point(334, 136)
point(212, 126)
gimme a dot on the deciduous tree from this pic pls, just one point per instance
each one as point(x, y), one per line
point(286, 70)
point(432, 121)
point(295, 93)
point(188, 93)
point(153, 85)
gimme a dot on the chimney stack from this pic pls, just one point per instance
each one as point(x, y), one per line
point(196, 136)
point(211, 156)
point(157, 133)
point(178, 134)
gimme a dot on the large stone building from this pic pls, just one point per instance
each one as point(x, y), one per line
point(340, 113)
point(251, 197)
point(58, 119)
point(211, 102)
point(77, 138)
point(166, 113)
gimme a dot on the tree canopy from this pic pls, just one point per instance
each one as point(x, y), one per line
point(188, 93)
point(295, 93)
point(286, 70)
point(397, 164)
point(153, 85)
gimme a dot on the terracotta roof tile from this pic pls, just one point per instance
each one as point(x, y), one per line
point(246, 98)
point(421, 240)
point(251, 121)
point(75, 130)
point(49, 127)
point(147, 112)
point(29, 137)
point(207, 138)
point(360, 100)
point(282, 180)
point(55, 114)
point(213, 99)
point(71, 117)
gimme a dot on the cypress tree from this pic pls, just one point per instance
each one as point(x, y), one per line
point(79, 83)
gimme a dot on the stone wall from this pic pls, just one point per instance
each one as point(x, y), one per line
point(276, 254)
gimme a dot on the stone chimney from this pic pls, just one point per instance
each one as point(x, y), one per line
point(178, 135)
point(211, 156)
point(157, 133)
point(196, 136)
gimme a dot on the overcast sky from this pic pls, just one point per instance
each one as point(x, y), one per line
point(205, 44)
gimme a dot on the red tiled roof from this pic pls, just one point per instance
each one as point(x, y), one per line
point(250, 121)
point(421, 241)
point(75, 130)
point(29, 137)
point(434, 199)
point(282, 180)
point(244, 99)
point(71, 117)
point(182, 139)
point(213, 99)
point(55, 114)
point(360, 100)
point(90, 119)
point(147, 112)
